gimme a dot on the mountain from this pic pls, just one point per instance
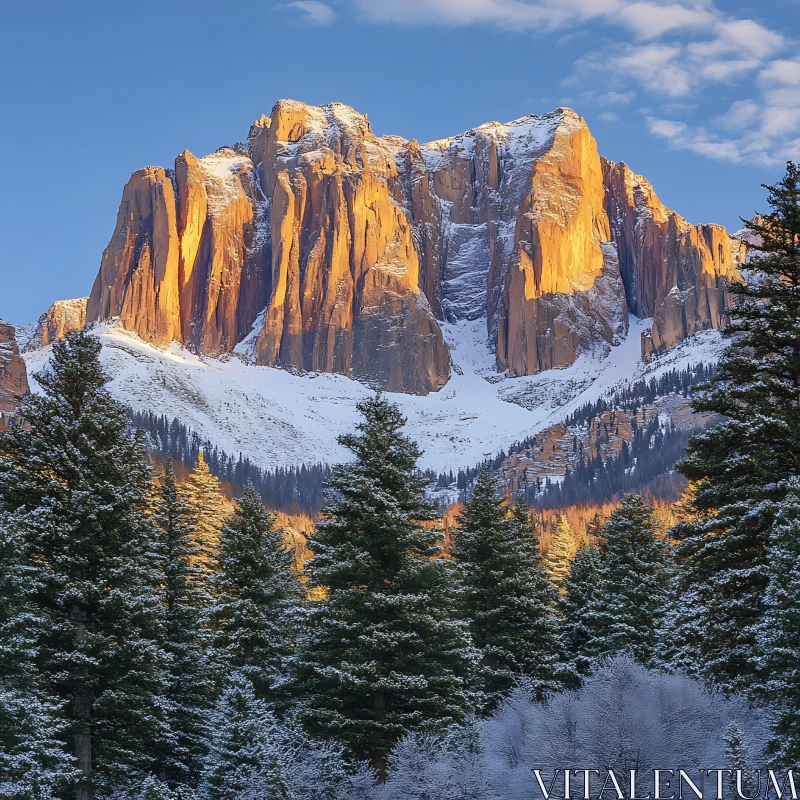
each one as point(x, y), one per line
point(13, 376)
point(318, 246)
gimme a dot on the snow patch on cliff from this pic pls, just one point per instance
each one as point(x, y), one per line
point(278, 418)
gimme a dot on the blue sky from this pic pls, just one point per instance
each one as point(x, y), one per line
point(703, 98)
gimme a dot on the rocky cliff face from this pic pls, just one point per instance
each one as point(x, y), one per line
point(13, 376)
point(673, 271)
point(320, 246)
point(61, 318)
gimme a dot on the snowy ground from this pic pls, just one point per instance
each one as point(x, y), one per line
point(277, 418)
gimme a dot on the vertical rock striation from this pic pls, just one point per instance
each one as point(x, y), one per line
point(13, 376)
point(673, 271)
point(320, 246)
point(345, 279)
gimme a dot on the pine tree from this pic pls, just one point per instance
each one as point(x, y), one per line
point(558, 556)
point(383, 655)
point(778, 635)
point(580, 587)
point(203, 493)
point(740, 465)
point(255, 619)
point(629, 600)
point(737, 758)
point(34, 764)
point(189, 687)
point(243, 758)
point(78, 485)
point(504, 594)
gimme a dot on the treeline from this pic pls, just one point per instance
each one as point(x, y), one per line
point(593, 480)
point(651, 455)
point(640, 393)
point(290, 489)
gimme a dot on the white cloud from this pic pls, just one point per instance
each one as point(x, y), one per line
point(314, 12)
point(764, 131)
point(616, 98)
point(782, 71)
point(609, 116)
point(658, 67)
point(651, 20)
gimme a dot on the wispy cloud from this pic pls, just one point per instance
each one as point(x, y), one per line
point(762, 130)
point(616, 98)
point(314, 12)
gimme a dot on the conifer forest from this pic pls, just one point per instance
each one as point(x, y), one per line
point(170, 631)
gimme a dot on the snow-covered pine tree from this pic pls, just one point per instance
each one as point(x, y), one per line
point(630, 597)
point(504, 595)
point(383, 655)
point(243, 760)
point(256, 616)
point(740, 466)
point(78, 485)
point(580, 586)
point(203, 493)
point(34, 764)
point(189, 684)
point(560, 552)
point(779, 633)
point(737, 757)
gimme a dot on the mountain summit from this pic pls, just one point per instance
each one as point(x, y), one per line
point(320, 246)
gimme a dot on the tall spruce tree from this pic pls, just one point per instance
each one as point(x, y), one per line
point(203, 493)
point(34, 765)
point(77, 484)
point(778, 636)
point(741, 465)
point(504, 594)
point(580, 586)
point(630, 597)
point(256, 615)
point(383, 655)
point(560, 552)
point(189, 687)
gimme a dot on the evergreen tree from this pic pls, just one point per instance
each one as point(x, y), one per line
point(383, 655)
point(204, 496)
point(558, 556)
point(504, 594)
point(189, 687)
point(580, 587)
point(256, 615)
point(737, 758)
point(34, 764)
point(779, 633)
point(740, 466)
point(78, 485)
point(629, 600)
point(243, 758)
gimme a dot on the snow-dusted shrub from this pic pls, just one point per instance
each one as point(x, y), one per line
point(444, 767)
point(624, 717)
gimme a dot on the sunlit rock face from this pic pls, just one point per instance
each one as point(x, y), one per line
point(61, 318)
point(13, 376)
point(345, 291)
point(673, 271)
point(319, 246)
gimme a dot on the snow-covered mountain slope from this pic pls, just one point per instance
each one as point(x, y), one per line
point(276, 418)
